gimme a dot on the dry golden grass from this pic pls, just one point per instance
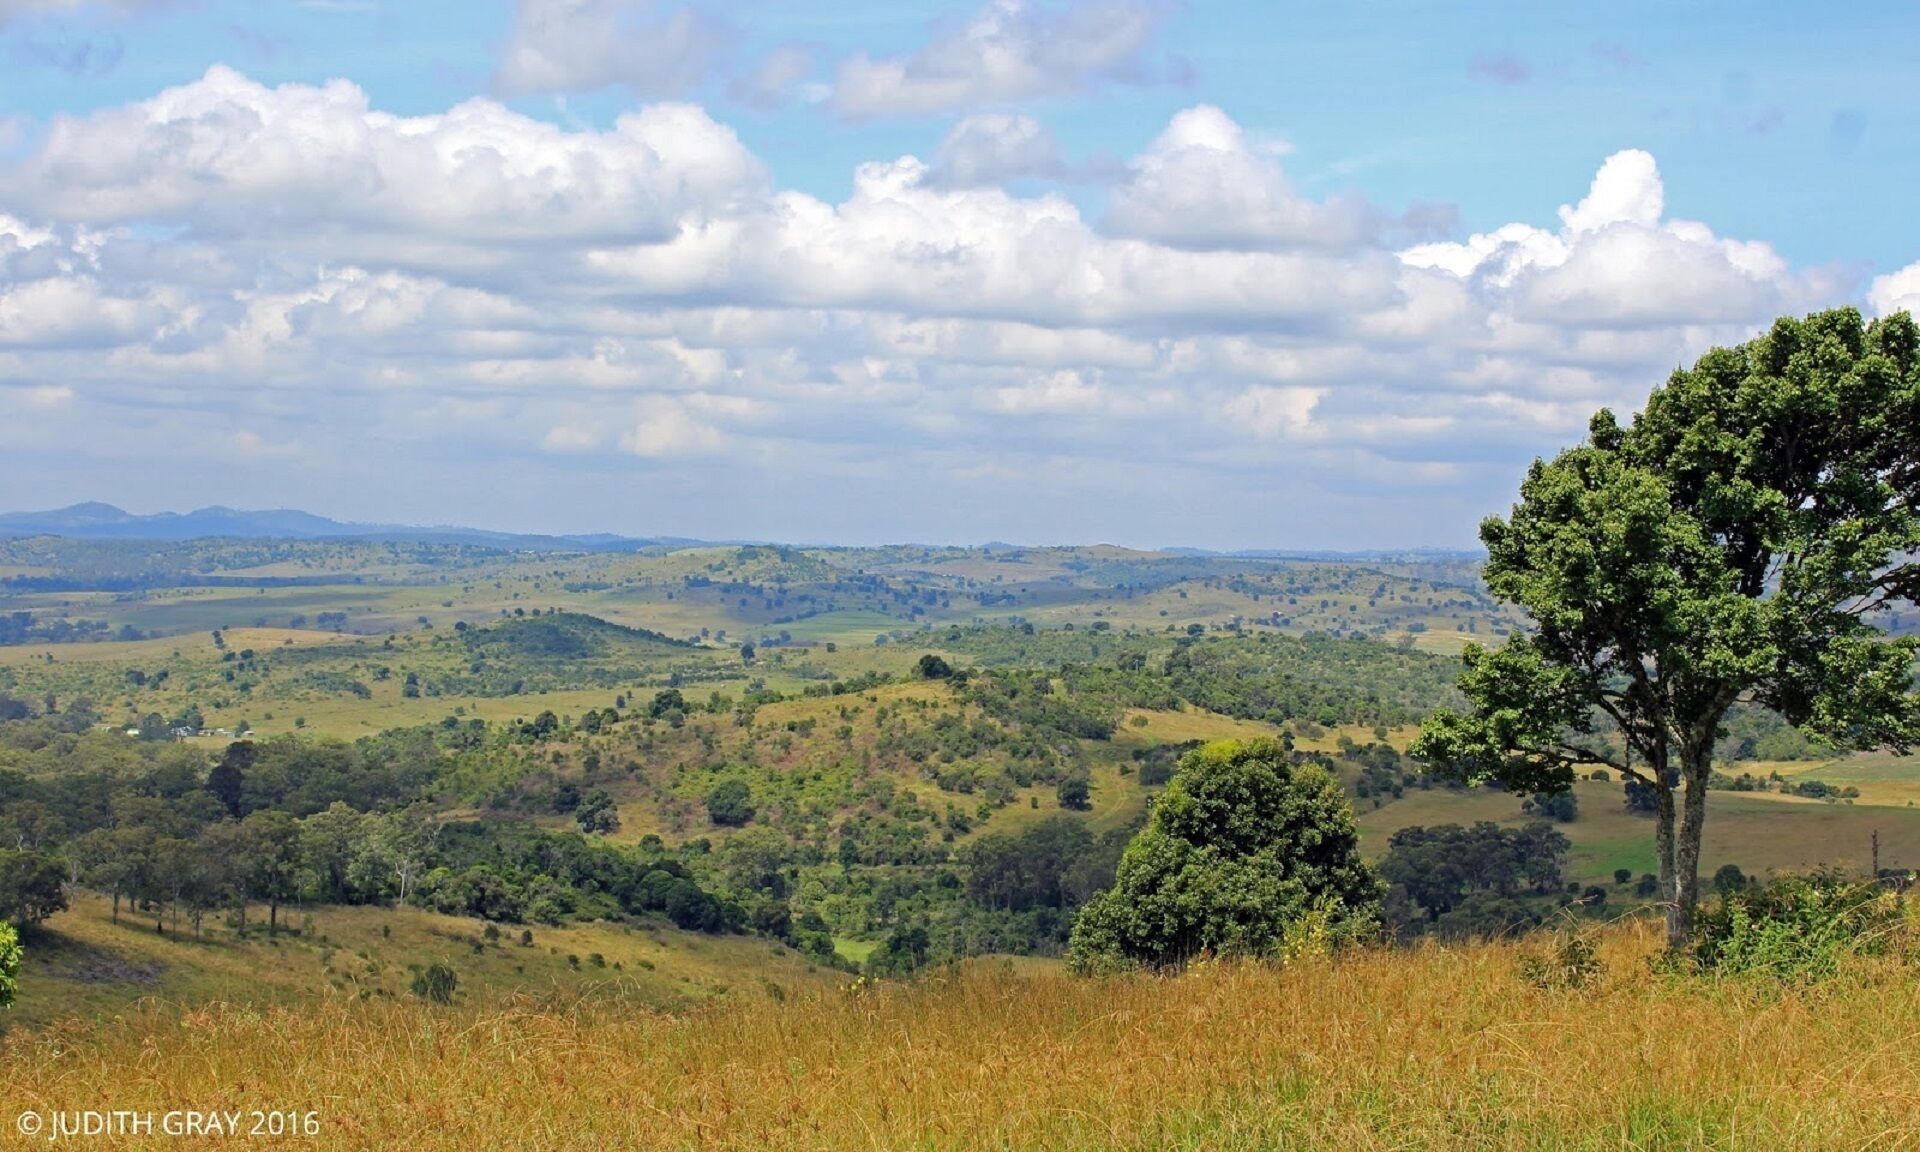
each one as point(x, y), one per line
point(1434, 1048)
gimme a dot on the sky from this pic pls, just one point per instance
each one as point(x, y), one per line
point(1215, 274)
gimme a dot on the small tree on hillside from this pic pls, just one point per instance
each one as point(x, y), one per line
point(1730, 546)
point(730, 802)
point(1242, 847)
point(32, 887)
point(228, 779)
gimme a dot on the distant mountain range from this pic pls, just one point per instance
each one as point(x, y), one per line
point(97, 521)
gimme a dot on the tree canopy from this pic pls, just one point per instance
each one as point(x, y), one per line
point(1731, 545)
point(1242, 846)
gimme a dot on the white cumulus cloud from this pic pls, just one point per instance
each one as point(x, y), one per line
point(483, 290)
point(1204, 184)
point(1896, 292)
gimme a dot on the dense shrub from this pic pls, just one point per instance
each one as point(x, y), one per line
point(1795, 928)
point(730, 802)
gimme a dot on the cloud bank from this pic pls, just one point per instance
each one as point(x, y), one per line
point(641, 320)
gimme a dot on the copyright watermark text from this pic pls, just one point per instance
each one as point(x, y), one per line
point(62, 1125)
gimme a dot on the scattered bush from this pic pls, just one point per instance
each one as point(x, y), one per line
point(436, 983)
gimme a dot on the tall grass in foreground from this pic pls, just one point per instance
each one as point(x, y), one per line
point(1430, 1048)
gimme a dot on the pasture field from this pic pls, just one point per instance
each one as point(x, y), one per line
point(1440, 1047)
point(1143, 726)
point(1881, 778)
point(1761, 832)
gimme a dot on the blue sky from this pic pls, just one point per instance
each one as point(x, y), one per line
point(1312, 275)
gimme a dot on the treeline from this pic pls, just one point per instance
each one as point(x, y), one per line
point(167, 831)
point(1451, 880)
point(18, 628)
point(1269, 677)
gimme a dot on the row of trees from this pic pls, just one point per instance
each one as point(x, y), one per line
point(338, 856)
point(1472, 880)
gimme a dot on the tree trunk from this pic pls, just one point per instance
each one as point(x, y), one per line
point(1663, 846)
point(116, 905)
point(1696, 765)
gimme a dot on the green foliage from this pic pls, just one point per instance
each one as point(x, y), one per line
point(32, 888)
point(597, 813)
point(932, 667)
point(1562, 807)
point(1732, 544)
point(905, 949)
point(1795, 928)
point(1270, 677)
point(730, 802)
point(1469, 881)
point(1052, 863)
point(1242, 846)
point(11, 957)
point(563, 636)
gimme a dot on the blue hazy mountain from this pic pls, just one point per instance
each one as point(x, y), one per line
point(98, 521)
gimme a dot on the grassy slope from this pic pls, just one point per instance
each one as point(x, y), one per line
point(1433, 1048)
point(83, 964)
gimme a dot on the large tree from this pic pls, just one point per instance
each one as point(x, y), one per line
point(1732, 545)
